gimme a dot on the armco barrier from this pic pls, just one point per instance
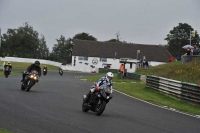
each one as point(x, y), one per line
point(133, 76)
point(104, 70)
point(182, 90)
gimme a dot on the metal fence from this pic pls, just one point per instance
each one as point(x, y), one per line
point(182, 90)
point(104, 70)
point(132, 76)
point(190, 58)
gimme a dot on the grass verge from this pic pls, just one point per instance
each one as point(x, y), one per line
point(189, 72)
point(4, 131)
point(23, 65)
point(12, 73)
point(137, 89)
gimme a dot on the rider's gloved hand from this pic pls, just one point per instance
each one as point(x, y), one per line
point(96, 88)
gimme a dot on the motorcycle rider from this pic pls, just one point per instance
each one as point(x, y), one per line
point(45, 67)
point(104, 80)
point(60, 71)
point(9, 65)
point(35, 66)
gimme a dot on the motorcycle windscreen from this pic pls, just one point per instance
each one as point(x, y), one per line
point(106, 88)
point(7, 68)
point(103, 93)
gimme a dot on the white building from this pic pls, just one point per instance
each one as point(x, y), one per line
point(89, 56)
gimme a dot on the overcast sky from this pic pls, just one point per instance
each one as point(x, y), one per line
point(138, 21)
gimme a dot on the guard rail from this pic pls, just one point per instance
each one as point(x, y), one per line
point(185, 91)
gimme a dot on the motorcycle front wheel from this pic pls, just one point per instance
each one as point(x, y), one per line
point(22, 87)
point(6, 74)
point(84, 107)
point(29, 85)
point(100, 107)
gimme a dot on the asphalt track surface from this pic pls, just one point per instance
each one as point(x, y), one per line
point(54, 106)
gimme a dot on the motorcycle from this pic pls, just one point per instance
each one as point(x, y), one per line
point(98, 100)
point(60, 71)
point(7, 71)
point(30, 79)
point(44, 71)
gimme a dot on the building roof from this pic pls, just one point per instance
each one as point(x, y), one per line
point(120, 50)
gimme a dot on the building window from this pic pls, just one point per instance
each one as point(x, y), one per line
point(103, 59)
point(83, 58)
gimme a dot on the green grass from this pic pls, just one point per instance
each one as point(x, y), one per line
point(189, 72)
point(96, 77)
point(137, 89)
point(22, 65)
point(12, 73)
point(4, 131)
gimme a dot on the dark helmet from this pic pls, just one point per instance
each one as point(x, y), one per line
point(37, 63)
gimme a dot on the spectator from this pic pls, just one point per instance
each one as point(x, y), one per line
point(145, 64)
point(196, 50)
point(189, 52)
point(187, 56)
point(171, 59)
point(141, 63)
point(121, 70)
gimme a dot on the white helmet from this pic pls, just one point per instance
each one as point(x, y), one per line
point(109, 76)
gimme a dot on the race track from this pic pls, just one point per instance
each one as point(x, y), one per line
point(54, 106)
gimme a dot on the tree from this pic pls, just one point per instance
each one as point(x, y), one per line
point(43, 50)
point(178, 37)
point(62, 51)
point(112, 40)
point(84, 36)
point(24, 42)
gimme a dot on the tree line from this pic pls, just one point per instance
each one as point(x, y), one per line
point(25, 42)
point(178, 37)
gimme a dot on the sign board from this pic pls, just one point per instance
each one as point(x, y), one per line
point(95, 61)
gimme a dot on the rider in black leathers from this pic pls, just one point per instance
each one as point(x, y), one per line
point(45, 67)
point(9, 65)
point(60, 71)
point(35, 66)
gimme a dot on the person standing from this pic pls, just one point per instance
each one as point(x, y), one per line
point(121, 70)
point(187, 57)
point(196, 50)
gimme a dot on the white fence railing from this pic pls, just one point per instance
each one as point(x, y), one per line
point(53, 63)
